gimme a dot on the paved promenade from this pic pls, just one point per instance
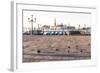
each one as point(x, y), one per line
point(38, 48)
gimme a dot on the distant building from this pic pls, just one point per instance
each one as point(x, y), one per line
point(86, 31)
point(58, 27)
point(45, 27)
point(70, 28)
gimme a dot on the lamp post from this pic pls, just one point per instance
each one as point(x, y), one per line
point(84, 25)
point(79, 27)
point(31, 20)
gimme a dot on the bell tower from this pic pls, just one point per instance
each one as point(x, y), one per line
point(55, 22)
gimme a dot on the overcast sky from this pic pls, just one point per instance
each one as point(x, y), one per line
point(47, 18)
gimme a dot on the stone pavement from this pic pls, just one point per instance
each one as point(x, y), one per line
point(55, 47)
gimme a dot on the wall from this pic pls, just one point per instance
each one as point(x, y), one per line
point(5, 35)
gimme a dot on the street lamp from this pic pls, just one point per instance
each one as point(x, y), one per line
point(79, 26)
point(84, 25)
point(32, 20)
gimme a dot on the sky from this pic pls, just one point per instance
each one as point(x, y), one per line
point(47, 18)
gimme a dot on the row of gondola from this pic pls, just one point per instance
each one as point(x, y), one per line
point(39, 32)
